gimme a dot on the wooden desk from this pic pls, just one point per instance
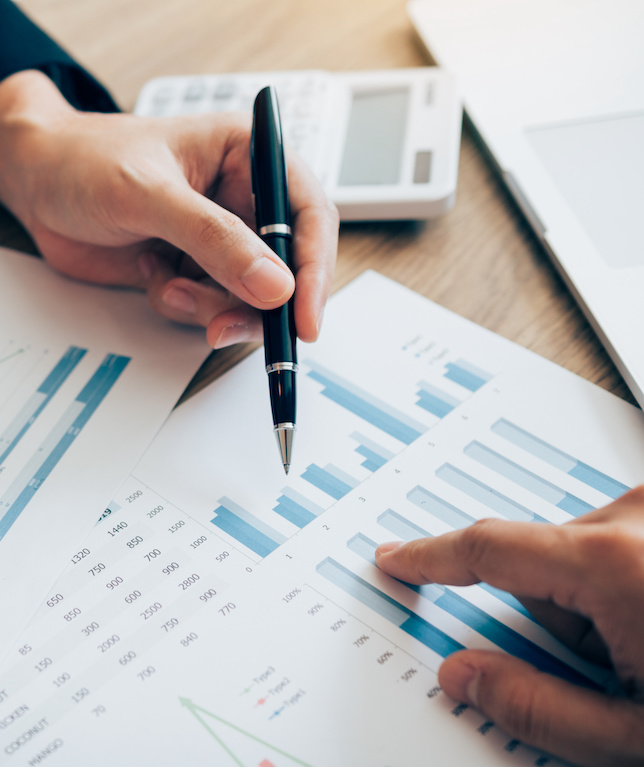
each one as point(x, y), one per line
point(479, 260)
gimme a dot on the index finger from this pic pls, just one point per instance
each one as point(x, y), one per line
point(538, 561)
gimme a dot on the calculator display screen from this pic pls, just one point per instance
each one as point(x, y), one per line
point(373, 148)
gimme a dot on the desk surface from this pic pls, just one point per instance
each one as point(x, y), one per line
point(479, 260)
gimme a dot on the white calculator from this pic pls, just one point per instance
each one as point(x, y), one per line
point(384, 144)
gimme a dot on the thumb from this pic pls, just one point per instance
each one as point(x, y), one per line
point(221, 243)
point(583, 726)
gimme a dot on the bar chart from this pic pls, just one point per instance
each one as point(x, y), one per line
point(39, 400)
point(402, 435)
point(40, 465)
point(372, 431)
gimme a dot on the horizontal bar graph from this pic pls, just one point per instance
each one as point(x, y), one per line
point(375, 455)
point(560, 460)
point(467, 375)
point(399, 615)
point(480, 621)
point(330, 480)
point(439, 508)
point(59, 440)
point(486, 495)
point(366, 406)
point(39, 400)
point(296, 508)
point(246, 528)
point(435, 400)
point(535, 484)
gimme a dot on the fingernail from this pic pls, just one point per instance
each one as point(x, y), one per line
point(147, 265)
point(181, 300)
point(385, 548)
point(232, 334)
point(462, 683)
point(267, 281)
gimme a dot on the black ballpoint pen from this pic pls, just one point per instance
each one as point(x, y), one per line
point(272, 218)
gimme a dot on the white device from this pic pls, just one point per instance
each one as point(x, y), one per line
point(556, 91)
point(384, 144)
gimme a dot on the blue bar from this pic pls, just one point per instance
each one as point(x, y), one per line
point(573, 505)
point(560, 460)
point(486, 495)
point(365, 406)
point(62, 369)
point(372, 461)
point(433, 404)
point(303, 501)
point(435, 400)
point(389, 608)
point(403, 528)
point(92, 395)
point(439, 508)
point(378, 450)
point(341, 475)
point(326, 482)
point(52, 383)
point(468, 376)
point(595, 479)
point(442, 644)
point(241, 531)
point(364, 547)
point(293, 511)
point(106, 376)
point(527, 479)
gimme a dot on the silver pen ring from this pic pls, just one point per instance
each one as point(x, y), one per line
point(278, 366)
point(275, 229)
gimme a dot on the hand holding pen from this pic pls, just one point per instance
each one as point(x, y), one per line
point(162, 205)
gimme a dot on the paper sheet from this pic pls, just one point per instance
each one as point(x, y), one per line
point(87, 376)
point(224, 614)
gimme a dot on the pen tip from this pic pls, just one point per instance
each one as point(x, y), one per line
point(284, 434)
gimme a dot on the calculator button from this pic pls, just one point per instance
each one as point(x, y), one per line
point(195, 91)
point(224, 90)
point(422, 167)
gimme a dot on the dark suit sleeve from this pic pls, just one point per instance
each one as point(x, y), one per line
point(23, 45)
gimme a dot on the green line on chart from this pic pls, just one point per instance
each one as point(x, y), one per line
point(13, 354)
point(194, 709)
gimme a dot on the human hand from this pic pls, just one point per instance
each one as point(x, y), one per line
point(162, 205)
point(584, 581)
